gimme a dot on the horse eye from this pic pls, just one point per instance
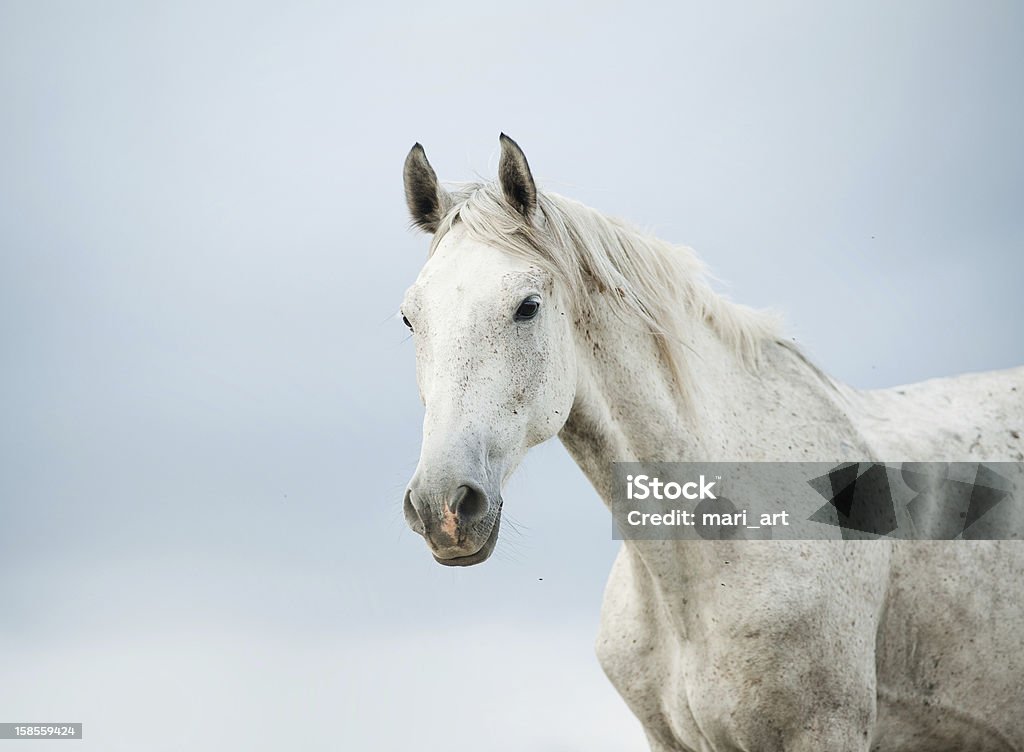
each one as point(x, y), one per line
point(528, 309)
point(406, 322)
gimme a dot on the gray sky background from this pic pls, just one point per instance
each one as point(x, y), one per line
point(209, 411)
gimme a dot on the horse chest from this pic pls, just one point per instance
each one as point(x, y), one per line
point(658, 671)
point(724, 651)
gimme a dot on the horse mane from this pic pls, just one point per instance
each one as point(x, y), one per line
point(660, 287)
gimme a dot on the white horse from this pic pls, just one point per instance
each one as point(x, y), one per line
point(536, 316)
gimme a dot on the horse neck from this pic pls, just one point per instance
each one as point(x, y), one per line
point(628, 408)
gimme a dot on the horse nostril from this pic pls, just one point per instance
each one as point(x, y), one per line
point(468, 503)
point(412, 514)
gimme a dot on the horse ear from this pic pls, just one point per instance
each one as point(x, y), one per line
point(426, 199)
point(516, 181)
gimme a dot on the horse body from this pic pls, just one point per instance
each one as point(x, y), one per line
point(818, 645)
point(714, 645)
point(812, 645)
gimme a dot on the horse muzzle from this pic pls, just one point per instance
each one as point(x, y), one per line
point(459, 525)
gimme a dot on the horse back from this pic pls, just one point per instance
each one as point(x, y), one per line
point(977, 417)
